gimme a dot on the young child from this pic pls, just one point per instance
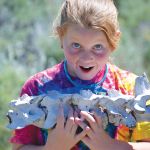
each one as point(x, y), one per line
point(88, 32)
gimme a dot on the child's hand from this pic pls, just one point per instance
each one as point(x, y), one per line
point(97, 138)
point(64, 137)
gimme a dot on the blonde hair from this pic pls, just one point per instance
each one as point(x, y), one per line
point(95, 14)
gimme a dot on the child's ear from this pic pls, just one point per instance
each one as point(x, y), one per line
point(118, 33)
point(117, 37)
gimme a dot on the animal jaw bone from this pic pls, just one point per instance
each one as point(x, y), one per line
point(115, 108)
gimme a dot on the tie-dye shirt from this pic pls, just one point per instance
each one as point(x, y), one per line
point(55, 79)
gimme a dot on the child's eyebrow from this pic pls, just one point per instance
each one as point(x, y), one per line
point(75, 37)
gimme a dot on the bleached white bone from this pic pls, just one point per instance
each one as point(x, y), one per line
point(51, 103)
point(25, 111)
point(115, 108)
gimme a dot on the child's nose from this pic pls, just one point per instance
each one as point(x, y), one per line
point(87, 56)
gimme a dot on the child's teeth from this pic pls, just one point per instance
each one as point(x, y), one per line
point(87, 68)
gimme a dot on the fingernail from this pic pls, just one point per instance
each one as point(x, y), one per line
point(91, 113)
point(87, 128)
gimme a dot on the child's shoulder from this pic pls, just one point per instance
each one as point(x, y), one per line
point(48, 73)
point(124, 80)
point(121, 73)
point(31, 85)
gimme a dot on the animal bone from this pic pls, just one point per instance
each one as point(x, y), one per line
point(26, 111)
point(115, 108)
point(51, 103)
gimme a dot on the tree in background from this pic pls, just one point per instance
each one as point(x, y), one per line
point(134, 50)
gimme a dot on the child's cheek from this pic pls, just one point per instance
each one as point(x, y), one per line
point(73, 51)
point(102, 55)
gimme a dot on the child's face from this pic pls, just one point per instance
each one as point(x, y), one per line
point(86, 51)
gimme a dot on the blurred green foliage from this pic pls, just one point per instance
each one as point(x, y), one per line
point(26, 44)
point(134, 48)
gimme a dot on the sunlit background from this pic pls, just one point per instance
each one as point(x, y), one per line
point(27, 45)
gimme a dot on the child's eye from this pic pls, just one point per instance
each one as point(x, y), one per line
point(76, 45)
point(98, 48)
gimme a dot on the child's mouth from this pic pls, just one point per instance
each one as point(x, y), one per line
point(86, 69)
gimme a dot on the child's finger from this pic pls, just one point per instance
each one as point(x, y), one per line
point(74, 129)
point(92, 122)
point(81, 123)
point(75, 126)
point(87, 141)
point(97, 118)
point(85, 127)
point(70, 121)
point(82, 135)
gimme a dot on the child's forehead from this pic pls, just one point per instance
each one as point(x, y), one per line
point(75, 30)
